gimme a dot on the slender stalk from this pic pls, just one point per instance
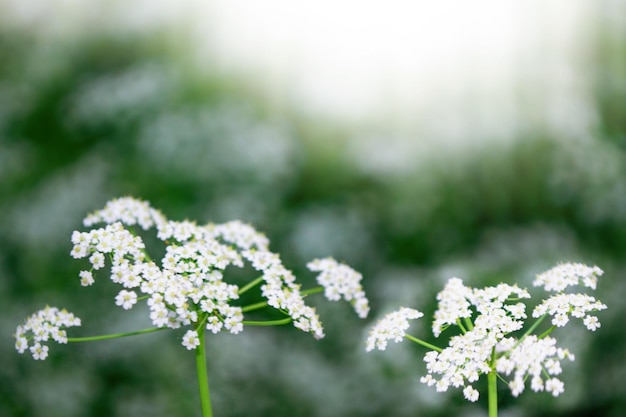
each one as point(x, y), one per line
point(421, 342)
point(492, 393)
point(460, 324)
point(203, 378)
point(250, 284)
point(267, 323)
point(114, 335)
point(492, 387)
point(261, 304)
point(312, 291)
point(255, 306)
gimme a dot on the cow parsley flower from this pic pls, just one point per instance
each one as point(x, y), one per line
point(391, 327)
point(567, 275)
point(46, 324)
point(340, 280)
point(488, 342)
point(188, 283)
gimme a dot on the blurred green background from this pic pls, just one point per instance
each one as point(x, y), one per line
point(91, 115)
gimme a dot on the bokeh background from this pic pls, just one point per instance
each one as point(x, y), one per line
point(415, 142)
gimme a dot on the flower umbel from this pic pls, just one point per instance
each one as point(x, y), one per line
point(187, 286)
point(488, 321)
point(46, 324)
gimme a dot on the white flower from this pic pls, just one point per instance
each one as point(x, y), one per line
point(568, 274)
point(40, 352)
point(126, 299)
point(555, 386)
point(470, 393)
point(453, 304)
point(127, 210)
point(191, 340)
point(86, 278)
point(40, 327)
point(531, 357)
point(592, 323)
point(340, 280)
point(391, 327)
point(561, 306)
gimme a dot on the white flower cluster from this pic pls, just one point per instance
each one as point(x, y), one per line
point(282, 292)
point(188, 285)
point(391, 327)
point(568, 275)
point(532, 357)
point(340, 280)
point(469, 355)
point(563, 305)
point(487, 317)
point(46, 324)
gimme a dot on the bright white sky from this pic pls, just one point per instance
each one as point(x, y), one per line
point(357, 58)
point(364, 60)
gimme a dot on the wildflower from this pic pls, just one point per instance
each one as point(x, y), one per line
point(191, 339)
point(470, 393)
point(40, 327)
point(339, 279)
point(453, 305)
point(86, 278)
point(126, 210)
point(561, 306)
point(391, 327)
point(532, 357)
point(568, 274)
point(126, 299)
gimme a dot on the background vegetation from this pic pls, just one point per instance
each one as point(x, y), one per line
point(85, 120)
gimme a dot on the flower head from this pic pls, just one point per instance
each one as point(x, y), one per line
point(46, 324)
point(488, 319)
point(391, 327)
point(562, 305)
point(568, 274)
point(340, 280)
point(186, 286)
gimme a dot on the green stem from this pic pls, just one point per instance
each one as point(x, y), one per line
point(261, 304)
point(492, 388)
point(267, 323)
point(468, 323)
point(254, 306)
point(251, 284)
point(421, 342)
point(312, 291)
point(492, 393)
point(114, 335)
point(460, 324)
point(203, 378)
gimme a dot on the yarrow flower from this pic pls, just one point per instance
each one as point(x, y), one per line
point(488, 319)
point(46, 324)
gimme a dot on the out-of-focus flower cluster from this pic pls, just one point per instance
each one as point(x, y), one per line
point(562, 305)
point(46, 324)
point(186, 287)
point(487, 318)
point(341, 280)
